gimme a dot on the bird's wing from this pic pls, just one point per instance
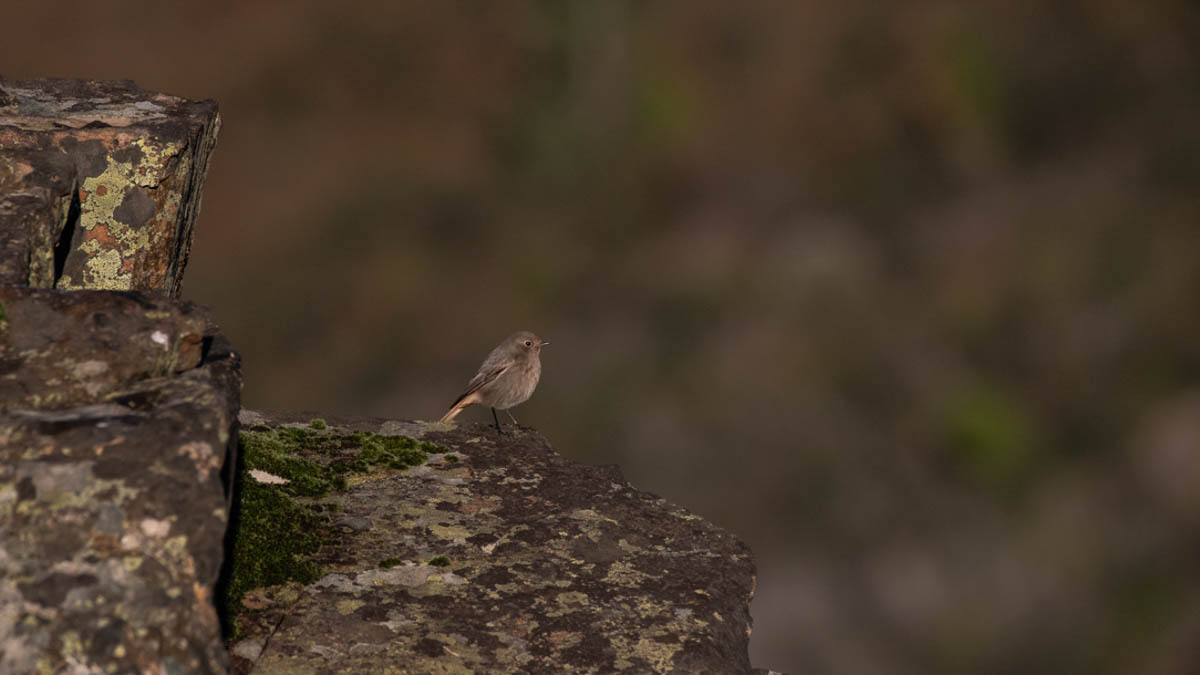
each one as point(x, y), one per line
point(484, 377)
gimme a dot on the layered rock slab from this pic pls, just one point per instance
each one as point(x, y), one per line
point(100, 183)
point(500, 555)
point(117, 423)
point(60, 350)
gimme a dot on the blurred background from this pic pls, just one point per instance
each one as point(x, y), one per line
point(905, 295)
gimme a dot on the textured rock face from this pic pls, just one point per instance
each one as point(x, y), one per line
point(99, 183)
point(117, 408)
point(112, 499)
point(67, 349)
point(506, 558)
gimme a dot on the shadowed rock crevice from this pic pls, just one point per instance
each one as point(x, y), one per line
point(66, 239)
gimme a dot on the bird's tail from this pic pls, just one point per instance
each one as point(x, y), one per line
point(462, 402)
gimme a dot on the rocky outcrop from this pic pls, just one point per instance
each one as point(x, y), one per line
point(116, 425)
point(99, 183)
point(359, 545)
point(117, 408)
point(496, 555)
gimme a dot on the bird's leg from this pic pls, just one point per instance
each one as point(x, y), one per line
point(514, 420)
point(497, 419)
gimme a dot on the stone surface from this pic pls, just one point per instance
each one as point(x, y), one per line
point(62, 350)
point(34, 210)
point(549, 566)
point(100, 183)
point(115, 457)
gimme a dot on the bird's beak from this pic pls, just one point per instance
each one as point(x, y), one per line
point(545, 343)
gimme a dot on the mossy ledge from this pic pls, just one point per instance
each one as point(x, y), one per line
point(281, 516)
point(508, 559)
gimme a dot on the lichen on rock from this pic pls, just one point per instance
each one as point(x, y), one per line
point(113, 499)
point(102, 183)
point(510, 559)
point(281, 518)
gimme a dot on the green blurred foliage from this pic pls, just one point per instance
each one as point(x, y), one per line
point(990, 439)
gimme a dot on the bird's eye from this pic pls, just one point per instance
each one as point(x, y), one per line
point(528, 343)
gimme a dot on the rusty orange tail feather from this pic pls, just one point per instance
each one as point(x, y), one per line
point(462, 402)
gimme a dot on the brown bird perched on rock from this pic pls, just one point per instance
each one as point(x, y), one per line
point(507, 377)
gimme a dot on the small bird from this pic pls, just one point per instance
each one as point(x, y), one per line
point(507, 377)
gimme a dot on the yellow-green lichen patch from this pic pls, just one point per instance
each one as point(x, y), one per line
point(107, 241)
point(155, 157)
point(572, 598)
point(103, 269)
point(124, 216)
point(450, 532)
point(71, 644)
point(660, 655)
point(176, 547)
point(348, 606)
point(624, 574)
point(589, 514)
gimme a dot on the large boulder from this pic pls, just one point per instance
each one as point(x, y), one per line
point(496, 555)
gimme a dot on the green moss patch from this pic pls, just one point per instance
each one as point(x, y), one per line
point(279, 527)
point(391, 562)
point(394, 452)
point(440, 561)
point(271, 545)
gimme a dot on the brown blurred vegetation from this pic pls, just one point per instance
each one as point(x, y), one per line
point(903, 294)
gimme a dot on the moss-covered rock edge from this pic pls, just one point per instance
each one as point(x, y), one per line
point(281, 510)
